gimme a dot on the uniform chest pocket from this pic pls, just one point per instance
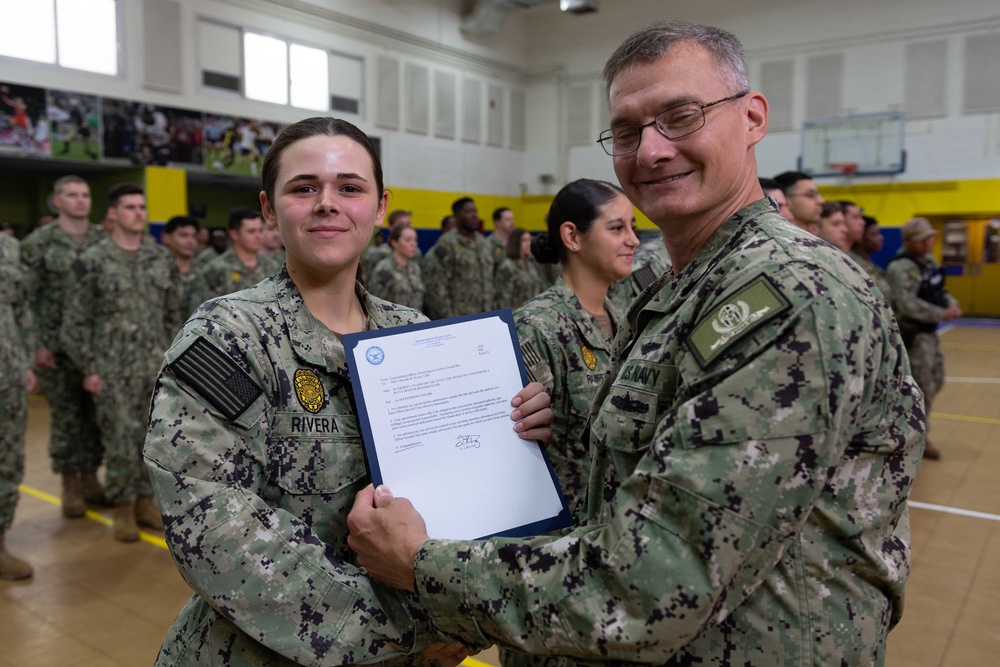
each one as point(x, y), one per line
point(467, 260)
point(159, 278)
point(58, 262)
point(629, 414)
point(11, 289)
point(580, 388)
point(315, 454)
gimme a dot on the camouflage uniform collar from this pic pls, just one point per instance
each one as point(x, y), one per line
point(671, 290)
point(588, 326)
point(310, 338)
point(476, 238)
point(230, 256)
point(728, 235)
point(147, 247)
point(59, 235)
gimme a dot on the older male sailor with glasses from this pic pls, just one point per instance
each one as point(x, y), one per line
point(754, 442)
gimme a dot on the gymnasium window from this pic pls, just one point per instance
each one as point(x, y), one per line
point(77, 34)
point(263, 67)
point(285, 73)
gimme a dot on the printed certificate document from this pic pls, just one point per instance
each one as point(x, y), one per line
point(434, 409)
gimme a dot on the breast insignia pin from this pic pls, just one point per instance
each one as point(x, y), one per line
point(309, 390)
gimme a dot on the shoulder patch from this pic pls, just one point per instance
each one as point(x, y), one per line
point(530, 354)
point(534, 364)
point(742, 313)
point(644, 277)
point(217, 378)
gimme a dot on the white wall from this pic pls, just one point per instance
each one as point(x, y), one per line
point(424, 32)
point(546, 53)
point(872, 36)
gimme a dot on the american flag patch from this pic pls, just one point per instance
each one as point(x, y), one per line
point(530, 354)
point(216, 377)
point(644, 277)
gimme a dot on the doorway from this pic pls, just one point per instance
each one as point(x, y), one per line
point(970, 254)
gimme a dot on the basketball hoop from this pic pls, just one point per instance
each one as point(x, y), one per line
point(845, 168)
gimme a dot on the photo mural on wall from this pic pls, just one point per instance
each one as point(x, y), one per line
point(66, 125)
point(24, 126)
point(237, 145)
point(75, 125)
point(149, 134)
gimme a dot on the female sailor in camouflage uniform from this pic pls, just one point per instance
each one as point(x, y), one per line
point(253, 444)
point(566, 331)
point(517, 279)
point(396, 278)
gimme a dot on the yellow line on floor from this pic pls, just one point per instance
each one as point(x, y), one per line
point(965, 418)
point(970, 346)
point(475, 663)
point(148, 538)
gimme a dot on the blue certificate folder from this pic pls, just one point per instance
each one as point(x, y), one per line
point(433, 405)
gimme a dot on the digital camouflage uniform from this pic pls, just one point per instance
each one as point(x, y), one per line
point(120, 319)
point(498, 249)
point(567, 350)
point(183, 282)
point(372, 257)
point(516, 283)
point(458, 276)
point(649, 262)
point(49, 254)
point(278, 258)
point(203, 257)
point(920, 317)
point(761, 431)
point(255, 455)
point(398, 284)
point(877, 276)
point(227, 274)
point(549, 273)
point(16, 351)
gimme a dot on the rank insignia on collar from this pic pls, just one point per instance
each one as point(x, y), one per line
point(309, 390)
point(589, 357)
point(236, 276)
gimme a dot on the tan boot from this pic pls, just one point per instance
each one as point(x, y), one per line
point(72, 496)
point(12, 567)
point(92, 489)
point(147, 514)
point(931, 452)
point(125, 527)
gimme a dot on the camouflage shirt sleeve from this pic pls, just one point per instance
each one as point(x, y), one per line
point(904, 278)
point(32, 260)
point(17, 342)
point(259, 566)
point(198, 291)
point(379, 280)
point(723, 482)
point(505, 285)
point(78, 326)
point(437, 281)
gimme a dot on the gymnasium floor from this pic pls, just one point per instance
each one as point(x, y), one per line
point(95, 602)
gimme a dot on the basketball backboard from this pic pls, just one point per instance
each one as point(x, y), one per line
point(873, 142)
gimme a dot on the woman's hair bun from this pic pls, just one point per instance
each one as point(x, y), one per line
point(546, 249)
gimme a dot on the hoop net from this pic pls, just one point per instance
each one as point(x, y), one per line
point(845, 168)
